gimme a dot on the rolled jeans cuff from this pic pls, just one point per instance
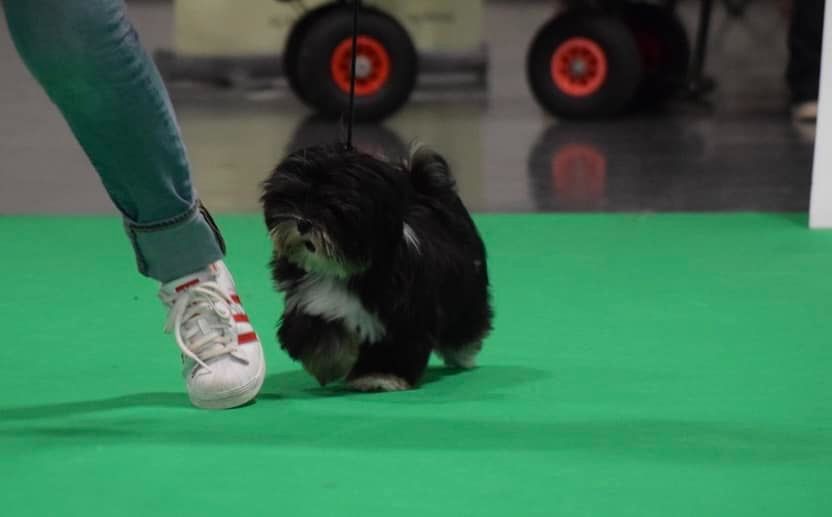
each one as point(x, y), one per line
point(177, 247)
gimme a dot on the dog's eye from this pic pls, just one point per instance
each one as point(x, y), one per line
point(310, 247)
point(304, 226)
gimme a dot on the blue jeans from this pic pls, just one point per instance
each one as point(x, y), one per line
point(88, 58)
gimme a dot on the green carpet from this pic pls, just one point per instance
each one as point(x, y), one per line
point(667, 365)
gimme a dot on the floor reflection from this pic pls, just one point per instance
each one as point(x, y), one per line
point(671, 165)
point(236, 144)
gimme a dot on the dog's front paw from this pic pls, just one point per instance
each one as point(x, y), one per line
point(379, 382)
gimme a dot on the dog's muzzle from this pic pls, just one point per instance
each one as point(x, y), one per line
point(295, 238)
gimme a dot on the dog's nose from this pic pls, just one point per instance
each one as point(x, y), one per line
point(304, 226)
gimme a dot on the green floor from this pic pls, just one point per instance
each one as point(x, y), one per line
point(641, 366)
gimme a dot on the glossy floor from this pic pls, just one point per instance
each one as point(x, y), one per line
point(738, 152)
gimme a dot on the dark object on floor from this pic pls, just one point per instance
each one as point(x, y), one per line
point(380, 264)
point(805, 43)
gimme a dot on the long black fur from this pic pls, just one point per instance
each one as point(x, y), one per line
point(434, 298)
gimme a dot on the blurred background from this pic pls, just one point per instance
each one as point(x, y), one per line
point(538, 105)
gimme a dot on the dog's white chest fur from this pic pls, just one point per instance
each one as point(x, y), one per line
point(329, 298)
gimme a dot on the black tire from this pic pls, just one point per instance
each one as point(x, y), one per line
point(314, 59)
point(619, 52)
point(664, 46)
point(291, 54)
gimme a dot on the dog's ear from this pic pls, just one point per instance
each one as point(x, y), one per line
point(430, 173)
point(288, 182)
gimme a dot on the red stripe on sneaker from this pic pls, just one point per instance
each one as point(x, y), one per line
point(248, 337)
point(187, 285)
point(235, 298)
point(241, 318)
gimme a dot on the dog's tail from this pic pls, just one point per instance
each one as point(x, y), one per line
point(430, 173)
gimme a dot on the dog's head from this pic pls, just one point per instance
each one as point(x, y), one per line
point(333, 210)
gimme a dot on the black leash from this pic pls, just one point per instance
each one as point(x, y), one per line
point(351, 117)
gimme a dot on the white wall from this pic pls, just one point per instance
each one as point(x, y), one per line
point(820, 212)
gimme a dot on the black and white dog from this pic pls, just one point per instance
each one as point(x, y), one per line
point(380, 265)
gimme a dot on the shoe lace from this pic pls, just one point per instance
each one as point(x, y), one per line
point(203, 324)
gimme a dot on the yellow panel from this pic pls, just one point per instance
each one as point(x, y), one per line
point(257, 27)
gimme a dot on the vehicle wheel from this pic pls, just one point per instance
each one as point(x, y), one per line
point(664, 47)
point(291, 54)
point(584, 64)
point(386, 67)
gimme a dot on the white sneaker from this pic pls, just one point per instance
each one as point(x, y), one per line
point(221, 354)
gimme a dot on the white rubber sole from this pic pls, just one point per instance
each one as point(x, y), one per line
point(234, 398)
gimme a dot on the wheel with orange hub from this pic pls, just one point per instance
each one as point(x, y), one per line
point(386, 65)
point(584, 64)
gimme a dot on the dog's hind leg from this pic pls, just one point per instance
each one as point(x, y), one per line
point(463, 357)
point(388, 366)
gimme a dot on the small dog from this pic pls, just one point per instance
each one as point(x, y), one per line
point(380, 264)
